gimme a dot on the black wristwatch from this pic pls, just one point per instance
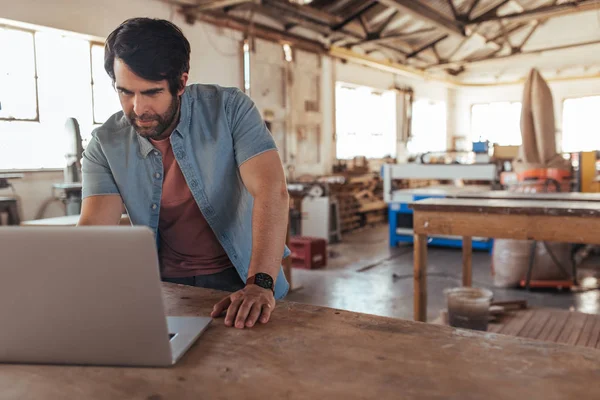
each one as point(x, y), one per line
point(263, 280)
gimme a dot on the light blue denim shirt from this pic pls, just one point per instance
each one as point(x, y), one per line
point(219, 129)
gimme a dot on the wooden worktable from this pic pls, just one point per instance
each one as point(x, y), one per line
point(543, 220)
point(309, 352)
point(481, 192)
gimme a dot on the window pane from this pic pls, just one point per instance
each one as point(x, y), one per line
point(17, 75)
point(106, 101)
point(64, 91)
point(365, 122)
point(581, 120)
point(498, 122)
point(428, 127)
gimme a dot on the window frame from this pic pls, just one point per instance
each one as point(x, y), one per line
point(92, 44)
point(35, 77)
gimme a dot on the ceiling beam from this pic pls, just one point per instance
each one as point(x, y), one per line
point(315, 20)
point(260, 31)
point(356, 14)
point(544, 12)
point(312, 14)
point(523, 53)
point(393, 36)
point(492, 12)
point(386, 23)
point(214, 5)
point(531, 32)
point(508, 32)
point(426, 46)
point(471, 9)
point(426, 13)
point(452, 8)
point(363, 24)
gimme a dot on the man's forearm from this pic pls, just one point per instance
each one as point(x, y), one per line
point(269, 228)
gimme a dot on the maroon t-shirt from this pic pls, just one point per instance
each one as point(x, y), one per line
point(188, 246)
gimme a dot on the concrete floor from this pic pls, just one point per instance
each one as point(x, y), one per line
point(365, 275)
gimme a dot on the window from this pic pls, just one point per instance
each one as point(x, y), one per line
point(365, 122)
point(428, 127)
point(70, 82)
point(498, 122)
point(18, 98)
point(581, 120)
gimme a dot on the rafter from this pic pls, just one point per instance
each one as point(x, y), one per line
point(363, 24)
point(529, 35)
point(471, 9)
point(401, 35)
point(426, 13)
point(492, 12)
point(543, 12)
point(426, 46)
point(452, 8)
point(522, 53)
point(356, 14)
point(386, 23)
point(504, 33)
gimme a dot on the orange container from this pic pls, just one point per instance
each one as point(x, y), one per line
point(543, 180)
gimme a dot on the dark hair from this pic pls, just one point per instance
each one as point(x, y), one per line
point(154, 49)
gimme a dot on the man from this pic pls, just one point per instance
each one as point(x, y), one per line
point(197, 165)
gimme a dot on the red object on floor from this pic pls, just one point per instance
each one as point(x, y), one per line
point(566, 284)
point(308, 252)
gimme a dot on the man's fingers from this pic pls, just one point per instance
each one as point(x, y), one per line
point(254, 314)
point(242, 314)
point(232, 312)
point(220, 307)
point(267, 309)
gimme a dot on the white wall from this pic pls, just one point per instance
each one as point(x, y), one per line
point(215, 58)
point(466, 97)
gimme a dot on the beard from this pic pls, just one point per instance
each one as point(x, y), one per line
point(157, 124)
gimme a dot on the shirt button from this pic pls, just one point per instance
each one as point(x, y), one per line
point(154, 206)
point(181, 154)
point(194, 183)
point(157, 175)
point(156, 153)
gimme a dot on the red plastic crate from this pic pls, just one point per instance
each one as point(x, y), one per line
point(308, 252)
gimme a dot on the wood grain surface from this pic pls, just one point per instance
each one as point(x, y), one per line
point(551, 228)
point(510, 207)
point(310, 352)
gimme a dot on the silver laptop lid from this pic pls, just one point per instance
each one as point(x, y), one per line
point(86, 295)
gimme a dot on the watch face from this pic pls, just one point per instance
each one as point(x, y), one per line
point(263, 280)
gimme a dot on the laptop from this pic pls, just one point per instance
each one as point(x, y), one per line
point(87, 296)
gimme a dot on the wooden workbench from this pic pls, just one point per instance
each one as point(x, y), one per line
point(309, 352)
point(481, 192)
point(543, 220)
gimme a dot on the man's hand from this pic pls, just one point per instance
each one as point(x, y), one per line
point(246, 307)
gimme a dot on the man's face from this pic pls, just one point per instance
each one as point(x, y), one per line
point(149, 106)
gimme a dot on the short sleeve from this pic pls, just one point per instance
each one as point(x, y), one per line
point(250, 134)
point(97, 178)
